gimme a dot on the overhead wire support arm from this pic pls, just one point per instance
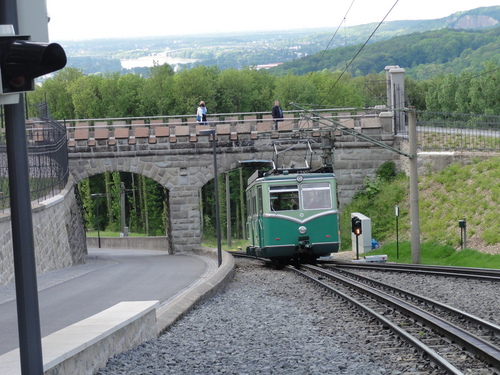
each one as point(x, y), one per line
point(334, 125)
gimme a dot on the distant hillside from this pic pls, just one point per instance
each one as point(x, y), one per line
point(422, 54)
point(479, 18)
point(288, 46)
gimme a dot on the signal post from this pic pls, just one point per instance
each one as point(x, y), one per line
point(21, 61)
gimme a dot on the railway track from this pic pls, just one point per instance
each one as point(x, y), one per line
point(452, 340)
point(464, 272)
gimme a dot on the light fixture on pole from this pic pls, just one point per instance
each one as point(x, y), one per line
point(216, 190)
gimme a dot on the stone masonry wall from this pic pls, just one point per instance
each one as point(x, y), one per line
point(58, 232)
point(184, 164)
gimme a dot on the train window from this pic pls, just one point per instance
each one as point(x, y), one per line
point(259, 200)
point(249, 206)
point(316, 196)
point(251, 203)
point(284, 198)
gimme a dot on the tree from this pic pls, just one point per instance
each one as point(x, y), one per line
point(56, 92)
point(156, 94)
point(298, 89)
point(335, 89)
point(88, 97)
point(193, 85)
point(485, 92)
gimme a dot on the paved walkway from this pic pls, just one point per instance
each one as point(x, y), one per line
point(72, 294)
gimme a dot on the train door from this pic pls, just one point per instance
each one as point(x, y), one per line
point(260, 223)
point(252, 217)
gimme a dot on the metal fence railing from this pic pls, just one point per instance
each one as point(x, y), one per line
point(456, 132)
point(47, 158)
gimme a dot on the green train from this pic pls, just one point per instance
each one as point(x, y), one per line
point(292, 217)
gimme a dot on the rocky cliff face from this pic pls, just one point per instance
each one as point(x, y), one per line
point(473, 22)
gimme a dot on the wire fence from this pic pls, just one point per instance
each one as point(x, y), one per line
point(456, 132)
point(47, 158)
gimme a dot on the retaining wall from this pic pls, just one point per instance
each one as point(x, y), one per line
point(58, 232)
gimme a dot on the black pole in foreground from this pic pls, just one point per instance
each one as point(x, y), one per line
point(28, 315)
point(216, 191)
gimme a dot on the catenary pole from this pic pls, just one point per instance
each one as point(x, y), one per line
point(414, 207)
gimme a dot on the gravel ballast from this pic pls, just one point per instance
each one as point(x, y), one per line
point(267, 321)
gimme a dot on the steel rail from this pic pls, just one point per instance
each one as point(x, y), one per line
point(478, 346)
point(428, 301)
point(429, 352)
point(466, 272)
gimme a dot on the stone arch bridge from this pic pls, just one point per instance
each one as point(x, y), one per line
point(174, 153)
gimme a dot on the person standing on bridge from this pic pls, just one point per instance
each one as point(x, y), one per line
point(277, 114)
point(201, 114)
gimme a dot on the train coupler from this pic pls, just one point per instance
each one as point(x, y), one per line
point(304, 246)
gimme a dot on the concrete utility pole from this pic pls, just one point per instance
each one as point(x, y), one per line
point(414, 208)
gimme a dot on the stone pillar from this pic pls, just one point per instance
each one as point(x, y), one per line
point(388, 82)
point(396, 96)
point(185, 217)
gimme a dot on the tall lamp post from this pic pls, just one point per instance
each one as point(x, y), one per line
point(98, 195)
point(216, 188)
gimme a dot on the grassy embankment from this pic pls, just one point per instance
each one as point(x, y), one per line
point(470, 192)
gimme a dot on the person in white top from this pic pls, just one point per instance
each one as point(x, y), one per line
point(201, 114)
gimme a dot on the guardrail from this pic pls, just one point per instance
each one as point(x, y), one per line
point(47, 158)
point(457, 132)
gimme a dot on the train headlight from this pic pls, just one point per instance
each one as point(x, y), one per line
point(302, 230)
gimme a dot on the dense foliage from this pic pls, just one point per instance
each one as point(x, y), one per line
point(145, 203)
point(72, 95)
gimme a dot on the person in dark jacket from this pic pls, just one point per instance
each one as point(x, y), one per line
point(277, 114)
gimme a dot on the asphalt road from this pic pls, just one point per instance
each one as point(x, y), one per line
point(108, 277)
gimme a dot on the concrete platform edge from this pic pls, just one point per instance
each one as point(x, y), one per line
point(169, 314)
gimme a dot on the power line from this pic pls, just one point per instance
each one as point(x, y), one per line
point(333, 37)
point(359, 51)
point(329, 43)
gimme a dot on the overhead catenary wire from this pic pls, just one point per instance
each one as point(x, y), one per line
point(332, 38)
point(359, 51)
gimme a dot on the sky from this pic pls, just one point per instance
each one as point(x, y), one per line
point(94, 19)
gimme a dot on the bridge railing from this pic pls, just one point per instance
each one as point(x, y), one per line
point(457, 132)
point(47, 158)
point(131, 131)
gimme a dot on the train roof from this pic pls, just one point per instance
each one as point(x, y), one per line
point(265, 176)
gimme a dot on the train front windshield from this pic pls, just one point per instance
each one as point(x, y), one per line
point(284, 198)
point(317, 196)
point(313, 196)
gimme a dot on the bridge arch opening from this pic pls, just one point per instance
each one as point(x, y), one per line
point(125, 204)
point(232, 201)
